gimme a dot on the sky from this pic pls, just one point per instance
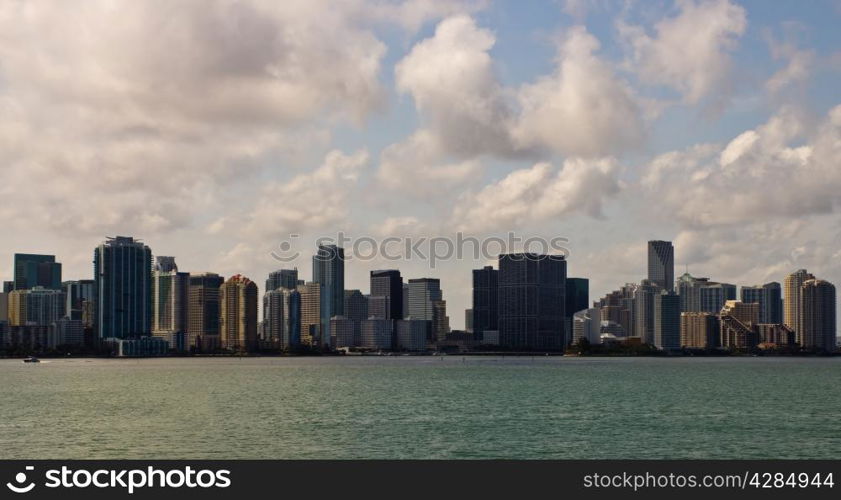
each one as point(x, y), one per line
point(215, 129)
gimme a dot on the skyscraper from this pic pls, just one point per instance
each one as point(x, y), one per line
point(440, 320)
point(532, 291)
point(586, 325)
point(311, 330)
point(204, 311)
point(667, 320)
point(661, 264)
point(170, 290)
point(37, 305)
point(644, 310)
point(282, 313)
point(77, 293)
point(388, 283)
point(792, 284)
point(238, 314)
point(341, 332)
point(328, 269)
point(699, 330)
point(715, 295)
point(356, 310)
point(770, 299)
point(577, 299)
point(485, 301)
point(817, 315)
point(123, 283)
point(33, 270)
point(422, 293)
point(282, 278)
point(739, 324)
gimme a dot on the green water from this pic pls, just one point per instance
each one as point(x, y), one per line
point(422, 407)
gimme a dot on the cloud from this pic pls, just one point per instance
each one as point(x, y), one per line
point(310, 201)
point(784, 169)
point(582, 109)
point(537, 194)
point(451, 80)
point(149, 116)
point(689, 52)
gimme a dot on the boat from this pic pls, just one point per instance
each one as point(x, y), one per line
point(31, 359)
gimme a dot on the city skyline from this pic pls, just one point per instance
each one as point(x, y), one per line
point(537, 306)
point(200, 145)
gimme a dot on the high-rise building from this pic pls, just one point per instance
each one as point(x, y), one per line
point(661, 264)
point(485, 300)
point(8, 286)
point(170, 293)
point(793, 284)
point(37, 305)
point(739, 324)
point(770, 299)
point(468, 320)
point(275, 322)
point(586, 325)
point(411, 334)
point(33, 270)
point(77, 293)
point(123, 284)
point(775, 333)
point(204, 311)
point(282, 278)
point(644, 310)
point(619, 307)
point(238, 314)
point(311, 332)
point(577, 299)
point(282, 313)
point(699, 330)
point(388, 283)
point(715, 295)
point(4, 308)
point(667, 320)
point(356, 310)
point(440, 320)
point(341, 332)
point(377, 333)
point(689, 290)
point(532, 291)
point(818, 315)
point(422, 293)
point(328, 269)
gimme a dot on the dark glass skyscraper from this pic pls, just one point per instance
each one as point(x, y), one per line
point(661, 264)
point(667, 320)
point(770, 299)
point(532, 291)
point(389, 284)
point(485, 301)
point(203, 311)
point(123, 285)
point(282, 278)
point(328, 269)
point(33, 270)
point(577, 299)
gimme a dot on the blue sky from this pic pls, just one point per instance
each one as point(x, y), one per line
point(214, 129)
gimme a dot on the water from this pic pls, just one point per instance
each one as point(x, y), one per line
point(421, 407)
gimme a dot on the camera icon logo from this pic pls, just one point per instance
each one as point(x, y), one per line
point(20, 479)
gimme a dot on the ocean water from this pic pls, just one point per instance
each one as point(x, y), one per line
point(421, 407)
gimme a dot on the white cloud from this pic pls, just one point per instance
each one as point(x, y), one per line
point(537, 194)
point(783, 169)
point(689, 52)
point(310, 201)
point(583, 109)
